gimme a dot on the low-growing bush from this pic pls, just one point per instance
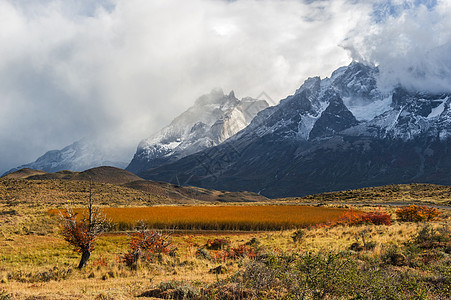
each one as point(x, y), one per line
point(241, 251)
point(55, 274)
point(377, 217)
point(217, 244)
point(327, 275)
point(4, 295)
point(203, 253)
point(413, 213)
point(351, 218)
point(298, 235)
point(173, 290)
point(180, 289)
point(146, 244)
point(429, 237)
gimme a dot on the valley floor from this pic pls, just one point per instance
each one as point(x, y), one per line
point(402, 261)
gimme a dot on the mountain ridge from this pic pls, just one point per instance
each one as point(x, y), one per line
point(313, 142)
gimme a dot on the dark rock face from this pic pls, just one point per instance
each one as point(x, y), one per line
point(332, 134)
point(334, 119)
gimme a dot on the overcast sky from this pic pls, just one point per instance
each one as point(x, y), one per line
point(120, 70)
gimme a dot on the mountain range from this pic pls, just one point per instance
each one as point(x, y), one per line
point(335, 133)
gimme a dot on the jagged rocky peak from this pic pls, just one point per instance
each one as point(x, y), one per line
point(212, 119)
point(357, 81)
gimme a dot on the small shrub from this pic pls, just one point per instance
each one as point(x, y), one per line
point(377, 217)
point(242, 251)
point(203, 253)
point(298, 235)
point(4, 295)
point(356, 247)
point(178, 290)
point(394, 257)
point(41, 276)
point(101, 261)
point(146, 244)
point(218, 270)
point(217, 244)
point(254, 242)
point(370, 245)
point(429, 237)
point(413, 213)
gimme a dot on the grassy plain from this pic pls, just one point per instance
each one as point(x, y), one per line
point(36, 263)
point(44, 266)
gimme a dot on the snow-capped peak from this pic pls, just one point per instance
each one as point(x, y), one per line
point(212, 119)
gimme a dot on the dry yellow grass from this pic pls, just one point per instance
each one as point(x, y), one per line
point(34, 254)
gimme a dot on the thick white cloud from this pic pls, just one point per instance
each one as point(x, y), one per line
point(120, 70)
point(411, 44)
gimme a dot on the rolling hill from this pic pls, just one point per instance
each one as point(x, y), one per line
point(110, 186)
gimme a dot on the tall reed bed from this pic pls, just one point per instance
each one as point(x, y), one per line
point(267, 217)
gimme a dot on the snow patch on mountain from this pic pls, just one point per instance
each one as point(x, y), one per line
point(437, 111)
point(369, 111)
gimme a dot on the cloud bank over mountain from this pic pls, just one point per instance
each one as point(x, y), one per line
point(119, 70)
point(410, 41)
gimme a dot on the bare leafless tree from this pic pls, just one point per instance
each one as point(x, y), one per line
point(82, 231)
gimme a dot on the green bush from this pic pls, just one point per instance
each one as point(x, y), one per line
point(4, 295)
point(298, 235)
point(428, 237)
point(203, 253)
point(328, 275)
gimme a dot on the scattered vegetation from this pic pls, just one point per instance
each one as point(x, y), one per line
point(418, 193)
point(359, 257)
point(298, 235)
point(352, 218)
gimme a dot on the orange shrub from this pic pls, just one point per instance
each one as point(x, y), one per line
point(413, 213)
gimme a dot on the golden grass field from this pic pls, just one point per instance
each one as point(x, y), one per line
point(36, 263)
point(256, 217)
point(24, 258)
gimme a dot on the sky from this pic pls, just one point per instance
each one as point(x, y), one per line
point(117, 71)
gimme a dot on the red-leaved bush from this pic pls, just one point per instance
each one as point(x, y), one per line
point(377, 217)
point(145, 244)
